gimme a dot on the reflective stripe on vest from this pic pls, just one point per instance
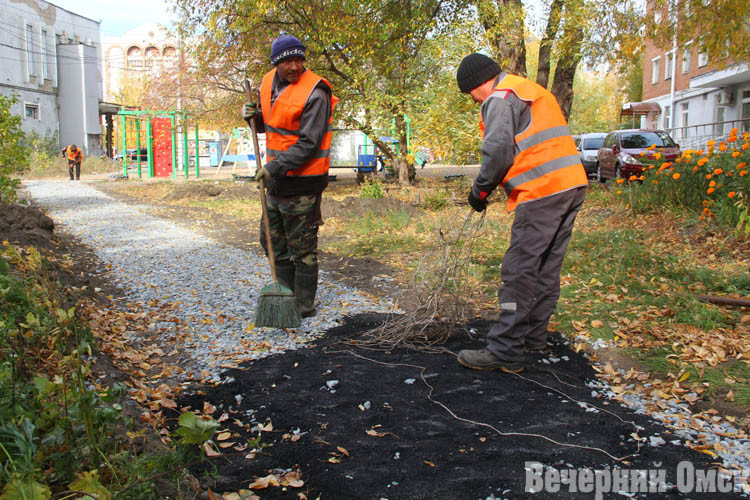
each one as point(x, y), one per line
point(547, 162)
point(282, 120)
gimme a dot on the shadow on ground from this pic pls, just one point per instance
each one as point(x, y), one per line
point(430, 424)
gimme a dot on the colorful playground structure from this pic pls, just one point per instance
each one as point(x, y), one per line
point(158, 131)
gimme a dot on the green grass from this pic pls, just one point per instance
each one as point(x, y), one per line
point(732, 375)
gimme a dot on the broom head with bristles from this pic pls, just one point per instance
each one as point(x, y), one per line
point(277, 308)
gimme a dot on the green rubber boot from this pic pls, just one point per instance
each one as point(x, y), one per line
point(305, 288)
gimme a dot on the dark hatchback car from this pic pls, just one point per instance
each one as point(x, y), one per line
point(133, 155)
point(620, 154)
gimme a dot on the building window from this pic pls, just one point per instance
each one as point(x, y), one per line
point(746, 110)
point(134, 58)
point(31, 111)
point(721, 113)
point(152, 54)
point(702, 58)
point(667, 117)
point(30, 53)
point(46, 56)
point(170, 57)
point(685, 61)
point(668, 66)
point(684, 114)
point(655, 70)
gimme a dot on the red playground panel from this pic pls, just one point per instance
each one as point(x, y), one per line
point(162, 128)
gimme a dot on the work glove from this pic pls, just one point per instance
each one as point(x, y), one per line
point(262, 174)
point(249, 110)
point(477, 204)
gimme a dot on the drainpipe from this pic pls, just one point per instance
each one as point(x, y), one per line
point(673, 8)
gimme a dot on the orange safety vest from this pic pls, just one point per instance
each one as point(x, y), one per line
point(548, 162)
point(282, 121)
point(73, 155)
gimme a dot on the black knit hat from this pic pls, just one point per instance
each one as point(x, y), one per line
point(474, 70)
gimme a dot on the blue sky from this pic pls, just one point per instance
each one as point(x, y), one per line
point(119, 16)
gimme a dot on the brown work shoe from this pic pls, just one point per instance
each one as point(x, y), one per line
point(483, 359)
point(537, 348)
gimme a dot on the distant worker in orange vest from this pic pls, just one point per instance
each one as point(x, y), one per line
point(528, 151)
point(74, 156)
point(296, 113)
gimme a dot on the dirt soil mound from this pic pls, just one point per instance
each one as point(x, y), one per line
point(23, 224)
point(362, 423)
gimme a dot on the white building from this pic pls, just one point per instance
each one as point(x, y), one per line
point(147, 50)
point(49, 61)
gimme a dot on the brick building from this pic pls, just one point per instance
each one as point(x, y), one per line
point(692, 97)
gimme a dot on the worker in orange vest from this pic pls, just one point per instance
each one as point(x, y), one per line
point(74, 156)
point(528, 151)
point(296, 113)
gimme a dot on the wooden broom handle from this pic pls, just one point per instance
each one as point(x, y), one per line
point(262, 185)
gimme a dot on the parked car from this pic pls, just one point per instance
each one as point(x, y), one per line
point(619, 155)
point(588, 147)
point(133, 156)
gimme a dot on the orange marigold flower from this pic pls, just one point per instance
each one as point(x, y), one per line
point(676, 175)
point(733, 131)
point(741, 165)
point(702, 161)
point(723, 146)
point(743, 173)
point(619, 191)
point(712, 183)
point(731, 194)
point(710, 190)
point(745, 146)
point(655, 182)
point(620, 181)
point(711, 143)
point(657, 156)
point(642, 153)
point(708, 176)
point(718, 171)
point(702, 218)
point(732, 138)
point(695, 168)
point(632, 178)
point(735, 154)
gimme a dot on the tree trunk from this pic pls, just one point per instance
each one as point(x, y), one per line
point(545, 46)
point(565, 72)
point(569, 54)
point(406, 171)
point(503, 21)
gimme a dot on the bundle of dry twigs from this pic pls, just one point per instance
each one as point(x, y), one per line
point(438, 293)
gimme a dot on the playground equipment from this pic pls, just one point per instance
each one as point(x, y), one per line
point(241, 143)
point(161, 131)
point(368, 154)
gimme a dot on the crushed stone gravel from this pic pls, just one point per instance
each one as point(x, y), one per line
point(211, 288)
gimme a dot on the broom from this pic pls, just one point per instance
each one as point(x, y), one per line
point(277, 306)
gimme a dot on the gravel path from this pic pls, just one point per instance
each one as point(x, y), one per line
point(210, 287)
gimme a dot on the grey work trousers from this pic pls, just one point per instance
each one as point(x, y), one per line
point(531, 272)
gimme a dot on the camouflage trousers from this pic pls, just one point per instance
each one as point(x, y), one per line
point(294, 222)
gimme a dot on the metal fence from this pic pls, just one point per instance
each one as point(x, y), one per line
point(696, 136)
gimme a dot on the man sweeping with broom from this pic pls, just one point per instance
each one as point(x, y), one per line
point(296, 108)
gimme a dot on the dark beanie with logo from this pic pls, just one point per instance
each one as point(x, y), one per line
point(474, 70)
point(286, 47)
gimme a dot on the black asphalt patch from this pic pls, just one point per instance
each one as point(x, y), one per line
point(433, 424)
